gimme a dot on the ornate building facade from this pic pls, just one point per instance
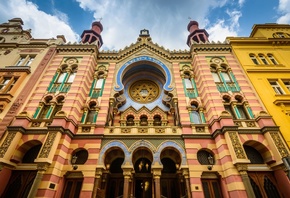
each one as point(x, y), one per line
point(140, 122)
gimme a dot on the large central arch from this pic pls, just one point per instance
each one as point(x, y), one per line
point(119, 86)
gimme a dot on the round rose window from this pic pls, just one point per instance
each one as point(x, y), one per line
point(144, 91)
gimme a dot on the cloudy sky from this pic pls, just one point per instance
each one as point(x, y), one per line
point(123, 19)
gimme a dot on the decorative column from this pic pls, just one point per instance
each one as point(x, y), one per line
point(242, 168)
point(157, 175)
point(127, 177)
point(187, 182)
point(97, 183)
point(41, 167)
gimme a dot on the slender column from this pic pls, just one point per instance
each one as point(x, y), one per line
point(157, 175)
point(187, 183)
point(127, 176)
point(41, 170)
point(246, 180)
point(97, 182)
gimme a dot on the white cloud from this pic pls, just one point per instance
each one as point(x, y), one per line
point(123, 19)
point(284, 10)
point(221, 29)
point(167, 22)
point(43, 25)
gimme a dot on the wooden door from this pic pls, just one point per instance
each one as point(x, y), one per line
point(211, 188)
point(264, 184)
point(72, 188)
point(19, 184)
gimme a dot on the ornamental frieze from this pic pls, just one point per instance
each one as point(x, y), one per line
point(279, 144)
point(6, 143)
point(47, 145)
point(239, 151)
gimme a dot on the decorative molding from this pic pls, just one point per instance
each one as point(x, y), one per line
point(5, 145)
point(47, 145)
point(279, 144)
point(238, 148)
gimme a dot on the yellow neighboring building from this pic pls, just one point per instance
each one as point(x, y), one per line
point(265, 58)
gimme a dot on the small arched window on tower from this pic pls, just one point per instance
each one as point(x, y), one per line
point(254, 59)
point(130, 120)
point(143, 120)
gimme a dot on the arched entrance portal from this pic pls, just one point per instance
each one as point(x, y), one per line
point(143, 183)
point(171, 181)
point(115, 179)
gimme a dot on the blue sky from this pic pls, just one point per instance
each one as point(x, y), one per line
point(123, 19)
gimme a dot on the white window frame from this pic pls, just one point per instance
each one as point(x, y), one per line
point(276, 87)
point(25, 60)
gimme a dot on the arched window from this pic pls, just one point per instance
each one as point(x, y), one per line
point(254, 59)
point(63, 78)
point(272, 59)
point(189, 84)
point(224, 78)
point(196, 114)
point(130, 120)
point(91, 113)
point(263, 59)
point(238, 109)
point(143, 120)
point(157, 120)
point(97, 85)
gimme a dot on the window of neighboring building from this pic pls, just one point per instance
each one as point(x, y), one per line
point(276, 87)
point(287, 84)
point(7, 84)
point(272, 59)
point(281, 35)
point(263, 59)
point(25, 60)
point(254, 59)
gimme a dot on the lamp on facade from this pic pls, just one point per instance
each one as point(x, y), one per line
point(73, 162)
point(211, 161)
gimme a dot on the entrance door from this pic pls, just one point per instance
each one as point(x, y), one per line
point(211, 188)
point(143, 186)
point(169, 187)
point(19, 184)
point(264, 184)
point(72, 188)
point(115, 186)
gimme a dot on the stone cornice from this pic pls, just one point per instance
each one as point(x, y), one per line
point(210, 47)
point(137, 47)
point(77, 48)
